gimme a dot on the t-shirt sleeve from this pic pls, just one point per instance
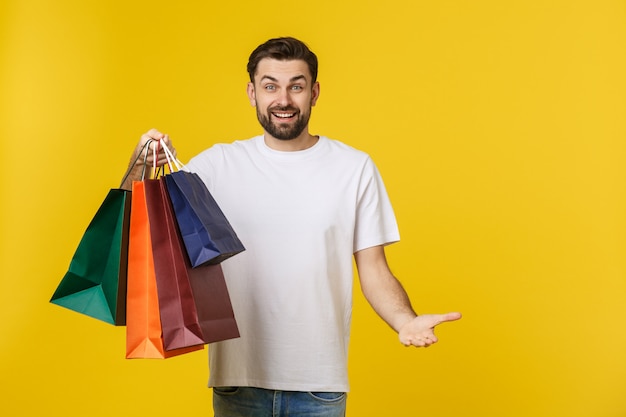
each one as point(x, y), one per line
point(375, 220)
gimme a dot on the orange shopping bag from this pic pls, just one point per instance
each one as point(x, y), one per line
point(144, 338)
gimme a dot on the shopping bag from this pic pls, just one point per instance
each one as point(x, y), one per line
point(207, 286)
point(208, 236)
point(95, 283)
point(210, 294)
point(179, 319)
point(215, 311)
point(143, 322)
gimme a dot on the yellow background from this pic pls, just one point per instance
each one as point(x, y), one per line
point(499, 127)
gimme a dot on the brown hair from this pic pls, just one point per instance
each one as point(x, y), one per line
point(283, 49)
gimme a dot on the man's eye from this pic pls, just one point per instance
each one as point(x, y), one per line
point(296, 87)
point(270, 87)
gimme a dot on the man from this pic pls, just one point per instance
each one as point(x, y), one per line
point(303, 205)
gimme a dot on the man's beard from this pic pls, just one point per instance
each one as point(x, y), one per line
point(283, 131)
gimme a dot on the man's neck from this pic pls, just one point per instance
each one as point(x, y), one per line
point(302, 142)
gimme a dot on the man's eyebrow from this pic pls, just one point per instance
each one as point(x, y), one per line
point(268, 77)
point(293, 79)
point(298, 78)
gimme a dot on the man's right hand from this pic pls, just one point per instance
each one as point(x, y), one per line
point(138, 157)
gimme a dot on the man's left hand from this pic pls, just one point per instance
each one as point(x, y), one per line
point(420, 331)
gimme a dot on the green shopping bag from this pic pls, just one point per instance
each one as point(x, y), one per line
point(95, 283)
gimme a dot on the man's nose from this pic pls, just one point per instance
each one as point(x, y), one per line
point(283, 98)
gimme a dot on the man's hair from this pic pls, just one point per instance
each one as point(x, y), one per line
point(283, 49)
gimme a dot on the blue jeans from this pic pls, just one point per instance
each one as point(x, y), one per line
point(257, 402)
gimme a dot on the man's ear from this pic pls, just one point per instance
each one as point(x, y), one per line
point(251, 94)
point(315, 93)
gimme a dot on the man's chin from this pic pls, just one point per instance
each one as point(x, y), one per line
point(284, 134)
point(283, 131)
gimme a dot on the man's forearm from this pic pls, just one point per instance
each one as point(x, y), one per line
point(382, 289)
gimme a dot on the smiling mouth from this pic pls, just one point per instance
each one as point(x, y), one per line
point(284, 115)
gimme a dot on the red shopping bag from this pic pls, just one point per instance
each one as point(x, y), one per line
point(179, 319)
point(215, 311)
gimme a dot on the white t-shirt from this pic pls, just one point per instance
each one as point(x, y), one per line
point(301, 216)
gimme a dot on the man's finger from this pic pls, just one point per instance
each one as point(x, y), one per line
point(450, 317)
point(442, 318)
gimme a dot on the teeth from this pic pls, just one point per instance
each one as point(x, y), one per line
point(284, 115)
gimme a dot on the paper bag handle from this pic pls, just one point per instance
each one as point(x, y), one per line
point(145, 162)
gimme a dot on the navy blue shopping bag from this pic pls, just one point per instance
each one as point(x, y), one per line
point(208, 236)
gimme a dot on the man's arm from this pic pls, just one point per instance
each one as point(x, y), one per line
point(390, 301)
point(136, 166)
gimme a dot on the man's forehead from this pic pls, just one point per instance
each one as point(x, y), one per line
point(282, 69)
